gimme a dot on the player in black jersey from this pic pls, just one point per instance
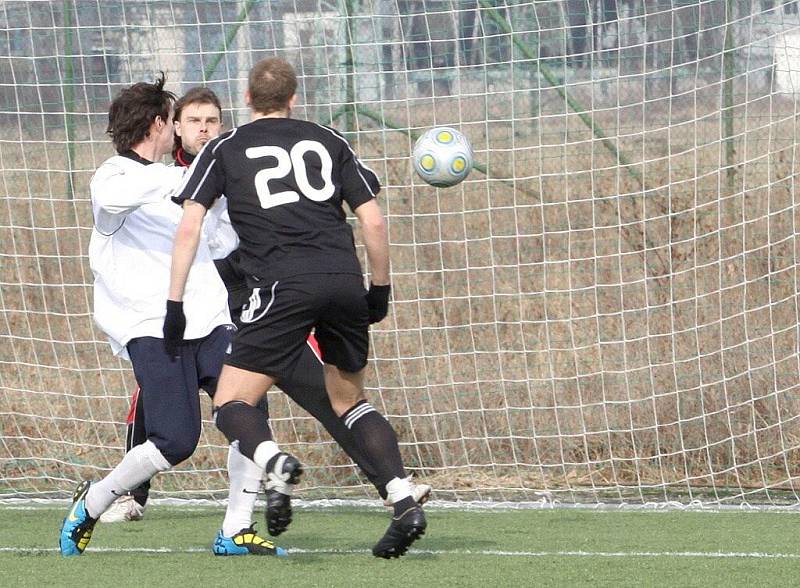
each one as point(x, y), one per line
point(286, 181)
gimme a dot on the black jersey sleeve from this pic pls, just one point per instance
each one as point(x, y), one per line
point(205, 180)
point(359, 183)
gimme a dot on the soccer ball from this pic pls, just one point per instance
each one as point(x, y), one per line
point(442, 157)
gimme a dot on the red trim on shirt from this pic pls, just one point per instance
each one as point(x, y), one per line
point(314, 344)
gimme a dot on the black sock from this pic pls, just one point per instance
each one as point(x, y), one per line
point(244, 423)
point(141, 493)
point(307, 388)
point(376, 439)
point(263, 406)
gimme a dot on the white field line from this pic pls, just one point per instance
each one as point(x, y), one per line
point(198, 505)
point(440, 552)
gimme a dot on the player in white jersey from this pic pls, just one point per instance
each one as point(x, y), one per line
point(129, 252)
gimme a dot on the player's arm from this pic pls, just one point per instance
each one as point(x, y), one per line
point(197, 195)
point(117, 191)
point(184, 249)
point(376, 241)
point(360, 185)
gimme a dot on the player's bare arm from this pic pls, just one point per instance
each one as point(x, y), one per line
point(184, 250)
point(376, 240)
point(186, 240)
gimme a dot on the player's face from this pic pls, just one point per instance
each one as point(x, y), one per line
point(198, 124)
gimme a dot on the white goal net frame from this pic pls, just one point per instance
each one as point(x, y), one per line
point(604, 311)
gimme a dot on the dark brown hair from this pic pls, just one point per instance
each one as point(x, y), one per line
point(196, 95)
point(272, 83)
point(133, 111)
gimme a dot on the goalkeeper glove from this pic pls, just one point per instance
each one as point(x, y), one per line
point(378, 302)
point(174, 327)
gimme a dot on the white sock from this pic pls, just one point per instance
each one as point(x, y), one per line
point(245, 482)
point(265, 451)
point(139, 465)
point(397, 489)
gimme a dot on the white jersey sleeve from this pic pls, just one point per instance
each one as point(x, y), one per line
point(116, 192)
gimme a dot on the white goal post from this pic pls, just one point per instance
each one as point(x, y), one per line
point(606, 310)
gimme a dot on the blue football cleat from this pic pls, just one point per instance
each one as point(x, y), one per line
point(76, 530)
point(245, 542)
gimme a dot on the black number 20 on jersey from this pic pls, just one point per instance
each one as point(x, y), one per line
point(292, 162)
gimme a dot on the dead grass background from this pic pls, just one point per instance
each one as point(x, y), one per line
point(558, 329)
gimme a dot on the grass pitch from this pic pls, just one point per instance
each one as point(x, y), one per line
point(565, 547)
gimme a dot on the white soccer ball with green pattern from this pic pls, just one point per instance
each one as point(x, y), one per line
point(442, 157)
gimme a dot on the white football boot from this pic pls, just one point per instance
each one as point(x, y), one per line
point(124, 508)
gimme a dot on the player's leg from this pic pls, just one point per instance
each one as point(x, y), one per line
point(237, 536)
point(236, 415)
point(373, 433)
point(136, 435)
point(143, 461)
point(245, 481)
point(172, 417)
point(130, 507)
point(378, 441)
point(274, 326)
point(305, 384)
point(244, 424)
point(343, 333)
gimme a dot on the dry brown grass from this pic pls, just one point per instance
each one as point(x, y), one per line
point(556, 327)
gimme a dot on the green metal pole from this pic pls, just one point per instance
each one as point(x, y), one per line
point(228, 40)
point(573, 102)
point(349, 64)
point(69, 97)
point(729, 69)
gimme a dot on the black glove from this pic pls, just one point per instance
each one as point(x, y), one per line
point(174, 327)
point(378, 302)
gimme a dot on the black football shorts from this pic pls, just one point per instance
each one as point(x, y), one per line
point(278, 318)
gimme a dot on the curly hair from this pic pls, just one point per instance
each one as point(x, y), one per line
point(133, 111)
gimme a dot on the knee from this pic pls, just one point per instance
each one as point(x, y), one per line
point(178, 450)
